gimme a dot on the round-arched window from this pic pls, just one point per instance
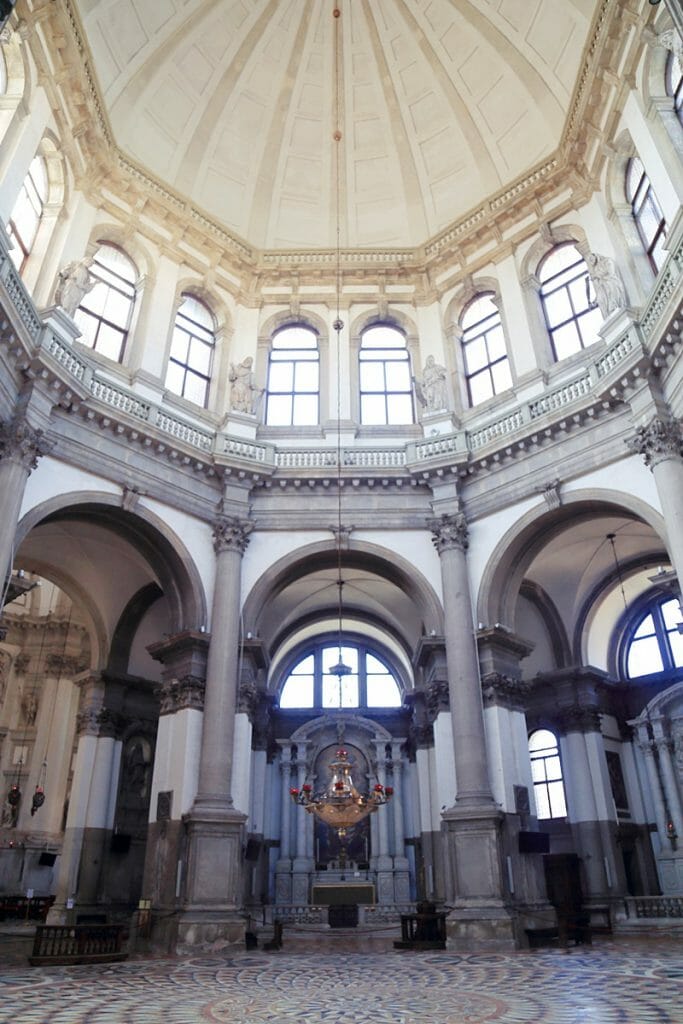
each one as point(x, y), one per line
point(370, 683)
point(654, 643)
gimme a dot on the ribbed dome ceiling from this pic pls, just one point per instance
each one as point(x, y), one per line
point(231, 102)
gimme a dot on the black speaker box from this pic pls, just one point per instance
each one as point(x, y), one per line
point(534, 842)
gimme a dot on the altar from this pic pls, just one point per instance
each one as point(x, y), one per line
point(328, 894)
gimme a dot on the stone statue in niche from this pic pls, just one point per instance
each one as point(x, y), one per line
point(243, 392)
point(29, 708)
point(75, 281)
point(431, 390)
point(609, 288)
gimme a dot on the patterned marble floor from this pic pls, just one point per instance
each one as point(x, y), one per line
point(612, 982)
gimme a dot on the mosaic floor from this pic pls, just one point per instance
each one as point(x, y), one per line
point(613, 982)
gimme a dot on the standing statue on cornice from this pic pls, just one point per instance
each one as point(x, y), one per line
point(609, 288)
point(243, 392)
point(75, 281)
point(431, 390)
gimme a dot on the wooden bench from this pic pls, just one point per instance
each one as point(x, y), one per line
point(425, 929)
point(78, 944)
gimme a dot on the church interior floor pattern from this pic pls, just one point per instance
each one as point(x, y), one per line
point(616, 981)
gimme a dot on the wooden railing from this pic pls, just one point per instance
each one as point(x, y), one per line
point(28, 908)
point(78, 944)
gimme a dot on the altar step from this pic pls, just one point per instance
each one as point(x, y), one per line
point(331, 940)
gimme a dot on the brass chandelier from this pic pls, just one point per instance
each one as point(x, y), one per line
point(341, 806)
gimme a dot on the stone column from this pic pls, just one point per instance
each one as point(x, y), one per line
point(480, 919)
point(647, 749)
point(661, 443)
point(215, 826)
point(401, 866)
point(663, 744)
point(302, 865)
point(20, 447)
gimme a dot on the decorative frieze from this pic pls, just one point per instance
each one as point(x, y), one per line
point(450, 531)
point(180, 694)
point(437, 698)
point(660, 440)
point(65, 664)
point(91, 721)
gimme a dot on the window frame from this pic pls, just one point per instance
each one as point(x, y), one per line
point(674, 88)
point(650, 603)
point(294, 392)
point(472, 334)
point(544, 783)
point(330, 644)
point(37, 200)
point(387, 393)
point(548, 290)
point(641, 197)
point(100, 319)
point(202, 336)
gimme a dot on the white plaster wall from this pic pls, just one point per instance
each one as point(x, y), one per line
point(241, 763)
point(176, 761)
point(650, 157)
point(444, 767)
point(267, 547)
point(630, 471)
point(485, 534)
point(508, 754)
point(52, 478)
point(26, 145)
point(197, 539)
point(414, 545)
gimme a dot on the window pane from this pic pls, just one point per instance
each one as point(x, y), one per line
point(297, 692)
point(558, 307)
point(644, 657)
point(475, 355)
point(671, 613)
point(200, 357)
point(304, 667)
point(109, 342)
point(372, 376)
point(195, 388)
point(336, 694)
point(495, 340)
point(400, 409)
point(676, 644)
point(383, 337)
point(398, 376)
point(179, 346)
point(502, 378)
point(542, 802)
point(382, 692)
point(305, 413)
point(373, 409)
point(175, 376)
point(579, 293)
point(566, 341)
point(589, 325)
point(306, 377)
point(481, 387)
point(646, 628)
point(279, 411)
point(558, 807)
point(281, 377)
point(95, 299)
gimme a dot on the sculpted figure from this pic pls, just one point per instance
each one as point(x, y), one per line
point(75, 281)
point(609, 288)
point(431, 390)
point(243, 393)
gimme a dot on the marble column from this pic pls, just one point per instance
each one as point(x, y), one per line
point(480, 918)
point(664, 747)
point(401, 866)
point(215, 826)
point(647, 748)
point(661, 443)
point(20, 447)
point(302, 865)
point(283, 867)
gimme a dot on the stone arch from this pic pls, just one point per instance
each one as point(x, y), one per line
point(163, 550)
point(558, 234)
point(387, 565)
point(505, 570)
point(286, 318)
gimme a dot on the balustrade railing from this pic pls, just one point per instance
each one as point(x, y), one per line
point(654, 906)
point(78, 944)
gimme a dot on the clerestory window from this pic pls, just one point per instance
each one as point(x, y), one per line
point(192, 346)
point(674, 83)
point(370, 683)
point(105, 313)
point(653, 642)
point(487, 367)
point(27, 212)
point(386, 394)
point(568, 299)
point(293, 389)
point(646, 213)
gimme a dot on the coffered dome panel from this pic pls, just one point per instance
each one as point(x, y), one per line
point(231, 102)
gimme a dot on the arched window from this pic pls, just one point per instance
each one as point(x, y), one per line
point(370, 684)
point(191, 356)
point(653, 643)
point(571, 314)
point(386, 395)
point(293, 389)
point(674, 83)
point(105, 312)
point(546, 772)
point(487, 368)
point(646, 212)
point(28, 209)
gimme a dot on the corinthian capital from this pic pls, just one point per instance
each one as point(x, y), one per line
point(21, 443)
point(450, 531)
point(231, 533)
point(659, 440)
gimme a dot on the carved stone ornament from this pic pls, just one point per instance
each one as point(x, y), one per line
point(579, 719)
point(672, 40)
point(21, 443)
point(179, 694)
point(92, 721)
point(658, 441)
point(450, 531)
point(503, 691)
point(231, 534)
point(248, 699)
point(437, 698)
point(65, 664)
point(21, 663)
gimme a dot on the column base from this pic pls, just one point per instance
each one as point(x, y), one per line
point(480, 918)
point(215, 861)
